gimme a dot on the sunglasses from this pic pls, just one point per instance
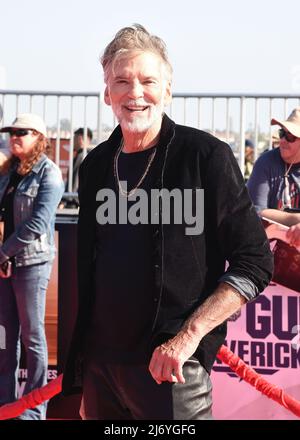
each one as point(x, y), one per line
point(288, 136)
point(19, 132)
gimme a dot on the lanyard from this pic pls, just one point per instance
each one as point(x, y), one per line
point(287, 203)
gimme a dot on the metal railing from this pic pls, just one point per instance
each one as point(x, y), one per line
point(231, 117)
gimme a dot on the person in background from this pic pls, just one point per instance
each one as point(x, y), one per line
point(154, 297)
point(275, 139)
point(249, 159)
point(2, 158)
point(79, 145)
point(31, 187)
point(274, 185)
point(79, 148)
point(2, 154)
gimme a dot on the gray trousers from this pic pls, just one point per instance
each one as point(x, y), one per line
point(128, 392)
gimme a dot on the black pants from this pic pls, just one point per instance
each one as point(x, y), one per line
point(128, 392)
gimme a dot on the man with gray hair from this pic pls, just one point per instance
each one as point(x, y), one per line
point(154, 298)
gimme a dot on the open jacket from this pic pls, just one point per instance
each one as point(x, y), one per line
point(187, 268)
point(35, 203)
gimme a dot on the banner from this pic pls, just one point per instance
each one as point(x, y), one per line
point(265, 335)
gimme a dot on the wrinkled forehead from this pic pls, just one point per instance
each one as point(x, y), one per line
point(146, 62)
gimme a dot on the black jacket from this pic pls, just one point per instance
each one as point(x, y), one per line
point(187, 267)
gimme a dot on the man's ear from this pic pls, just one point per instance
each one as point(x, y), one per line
point(168, 93)
point(106, 96)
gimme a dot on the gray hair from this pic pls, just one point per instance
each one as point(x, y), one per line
point(131, 39)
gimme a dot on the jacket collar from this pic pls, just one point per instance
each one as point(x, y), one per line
point(103, 155)
point(38, 165)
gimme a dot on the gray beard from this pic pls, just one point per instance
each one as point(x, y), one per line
point(140, 125)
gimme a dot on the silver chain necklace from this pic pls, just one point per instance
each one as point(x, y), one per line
point(116, 172)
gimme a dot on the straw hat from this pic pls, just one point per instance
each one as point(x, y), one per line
point(28, 120)
point(292, 124)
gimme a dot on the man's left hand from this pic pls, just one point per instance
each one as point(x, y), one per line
point(168, 359)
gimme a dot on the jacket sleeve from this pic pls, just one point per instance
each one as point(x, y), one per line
point(240, 234)
point(258, 185)
point(49, 195)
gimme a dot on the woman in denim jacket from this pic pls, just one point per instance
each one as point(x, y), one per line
point(31, 187)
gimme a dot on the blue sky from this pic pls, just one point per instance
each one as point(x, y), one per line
point(217, 46)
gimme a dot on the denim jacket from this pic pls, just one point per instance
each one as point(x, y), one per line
point(35, 202)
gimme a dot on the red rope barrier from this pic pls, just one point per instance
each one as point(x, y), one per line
point(253, 378)
point(38, 396)
point(32, 399)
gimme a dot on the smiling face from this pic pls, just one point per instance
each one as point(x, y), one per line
point(137, 90)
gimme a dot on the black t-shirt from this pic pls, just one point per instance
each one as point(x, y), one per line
point(124, 306)
point(7, 205)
